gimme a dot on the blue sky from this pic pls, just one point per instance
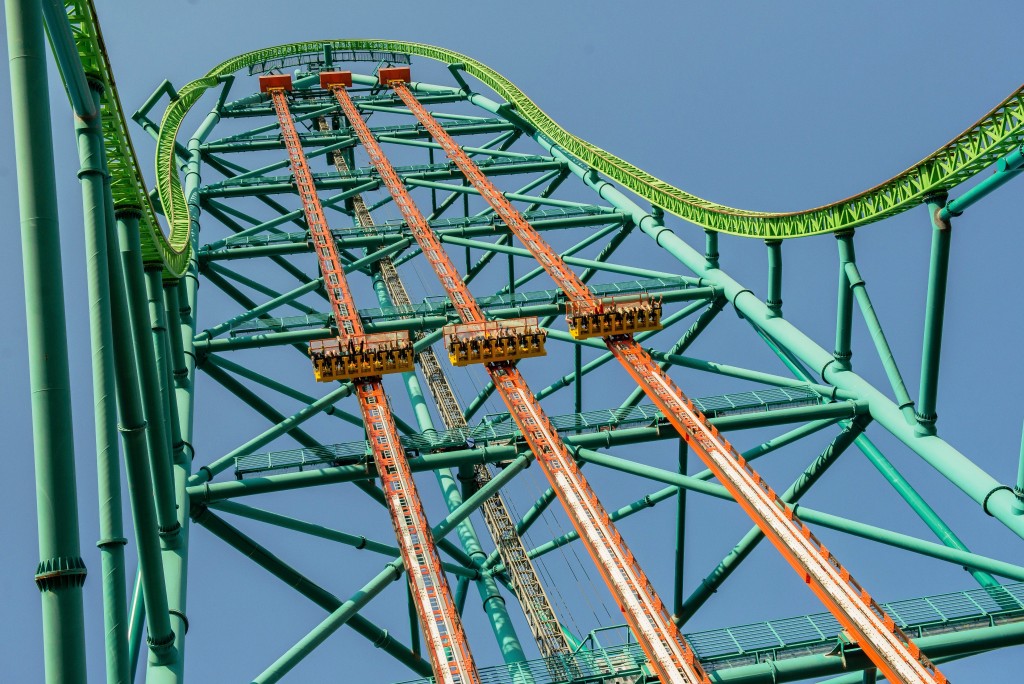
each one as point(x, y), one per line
point(766, 107)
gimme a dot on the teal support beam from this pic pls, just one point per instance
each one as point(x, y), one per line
point(282, 388)
point(135, 625)
point(893, 476)
point(391, 572)
point(844, 307)
point(634, 271)
point(93, 174)
point(680, 556)
point(258, 286)
point(1007, 169)
point(578, 381)
point(710, 584)
point(149, 375)
point(355, 541)
point(1019, 489)
point(258, 311)
point(711, 367)
point(892, 371)
point(207, 472)
point(65, 53)
point(774, 301)
point(137, 462)
point(61, 570)
point(305, 586)
point(814, 517)
point(935, 308)
point(710, 248)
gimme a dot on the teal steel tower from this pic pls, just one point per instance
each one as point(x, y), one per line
point(387, 263)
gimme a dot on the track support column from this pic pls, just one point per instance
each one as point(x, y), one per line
point(942, 231)
point(93, 174)
point(844, 307)
point(61, 571)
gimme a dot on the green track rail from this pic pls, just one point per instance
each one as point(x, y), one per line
point(126, 181)
point(994, 135)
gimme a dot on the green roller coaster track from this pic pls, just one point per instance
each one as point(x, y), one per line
point(997, 133)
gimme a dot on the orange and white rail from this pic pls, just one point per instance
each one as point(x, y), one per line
point(445, 637)
point(670, 656)
point(891, 651)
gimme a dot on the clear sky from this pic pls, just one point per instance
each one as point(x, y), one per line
point(756, 105)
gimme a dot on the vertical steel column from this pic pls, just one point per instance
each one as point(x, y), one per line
point(710, 248)
point(178, 375)
point(93, 174)
point(61, 571)
point(844, 307)
point(774, 300)
point(1019, 489)
point(677, 594)
point(149, 377)
point(935, 307)
point(132, 425)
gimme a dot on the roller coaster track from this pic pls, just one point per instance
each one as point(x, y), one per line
point(981, 144)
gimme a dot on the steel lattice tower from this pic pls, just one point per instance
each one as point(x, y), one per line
point(326, 202)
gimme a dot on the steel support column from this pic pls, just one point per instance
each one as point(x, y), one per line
point(61, 571)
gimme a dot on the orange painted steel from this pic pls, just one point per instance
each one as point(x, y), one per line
point(670, 655)
point(445, 637)
point(891, 651)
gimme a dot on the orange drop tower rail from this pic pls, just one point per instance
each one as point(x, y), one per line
point(895, 655)
point(671, 657)
point(363, 358)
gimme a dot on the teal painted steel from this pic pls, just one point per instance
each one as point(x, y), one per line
point(112, 541)
point(935, 308)
point(61, 571)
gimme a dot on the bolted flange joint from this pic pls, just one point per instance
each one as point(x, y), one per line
point(60, 573)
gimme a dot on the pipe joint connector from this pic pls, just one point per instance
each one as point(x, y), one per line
point(160, 644)
point(984, 502)
point(111, 542)
point(60, 573)
point(127, 211)
point(182, 616)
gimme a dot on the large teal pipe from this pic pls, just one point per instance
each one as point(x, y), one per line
point(93, 174)
point(132, 425)
point(844, 306)
point(1006, 169)
point(315, 593)
point(65, 53)
point(149, 375)
point(893, 476)
point(390, 573)
point(61, 571)
point(874, 326)
point(934, 311)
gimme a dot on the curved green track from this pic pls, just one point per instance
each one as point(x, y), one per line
point(994, 135)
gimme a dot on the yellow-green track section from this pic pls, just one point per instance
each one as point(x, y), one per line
point(994, 135)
